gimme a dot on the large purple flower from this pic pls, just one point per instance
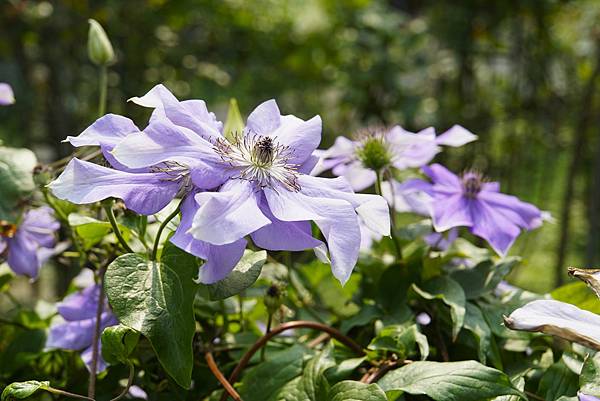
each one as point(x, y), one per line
point(405, 150)
point(77, 332)
point(255, 184)
point(471, 202)
point(7, 96)
point(30, 244)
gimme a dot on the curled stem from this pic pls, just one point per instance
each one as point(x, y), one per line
point(129, 383)
point(161, 229)
point(212, 365)
point(298, 324)
point(115, 226)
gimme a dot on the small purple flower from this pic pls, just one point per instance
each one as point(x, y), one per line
point(29, 245)
point(585, 397)
point(441, 242)
point(405, 150)
point(255, 184)
point(471, 202)
point(77, 332)
point(7, 96)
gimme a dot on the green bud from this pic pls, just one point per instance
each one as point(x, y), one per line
point(41, 175)
point(373, 153)
point(100, 51)
point(274, 298)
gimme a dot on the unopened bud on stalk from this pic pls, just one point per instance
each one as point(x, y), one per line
point(274, 298)
point(100, 51)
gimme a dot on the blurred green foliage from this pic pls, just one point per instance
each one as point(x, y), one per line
point(522, 75)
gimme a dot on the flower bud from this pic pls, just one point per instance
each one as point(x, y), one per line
point(274, 298)
point(41, 175)
point(100, 51)
point(374, 154)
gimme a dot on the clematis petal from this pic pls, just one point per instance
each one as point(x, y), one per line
point(309, 164)
point(372, 209)
point(6, 94)
point(87, 355)
point(265, 118)
point(163, 141)
point(284, 235)
point(41, 225)
point(335, 218)
point(219, 259)
point(411, 196)
point(453, 211)
point(441, 176)
point(585, 397)
point(359, 177)
point(83, 182)
point(523, 214)
point(191, 114)
point(493, 226)
point(22, 255)
point(75, 335)
point(558, 319)
point(228, 215)
point(106, 131)
point(301, 136)
point(456, 136)
point(80, 305)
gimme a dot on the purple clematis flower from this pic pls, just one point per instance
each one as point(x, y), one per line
point(30, 244)
point(7, 96)
point(255, 184)
point(77, 332)
point(471, 202)
point(405, 150)
point(585, 397)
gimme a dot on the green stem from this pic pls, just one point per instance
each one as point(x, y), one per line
point(67, 394)
point(161, 229)
point(115, 226)
point(128, 385)
point(395, 240)
point(103, 90)
point(267, 331)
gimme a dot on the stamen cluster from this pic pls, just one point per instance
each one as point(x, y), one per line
point(259, 159)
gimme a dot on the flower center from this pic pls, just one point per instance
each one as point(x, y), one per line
point(472, 183)
point(373, 150)
point(7, 230)
point(259, 159)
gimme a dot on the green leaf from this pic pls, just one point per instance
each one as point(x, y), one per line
point(579, 295)
point(90, 230)
point(589, 379)
point(156, 299)
point(450, 293)
point(402, 340)
point(21, 390)
point(558, 380)
point(476, 324)
point(266, 381)
point(234, 125)
point(243, 275)
point(16, 180)
point(350, 390)
point(366, 315)
point(314, 386)
point(484, 277)
point(449, 381)
point(118, 342)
